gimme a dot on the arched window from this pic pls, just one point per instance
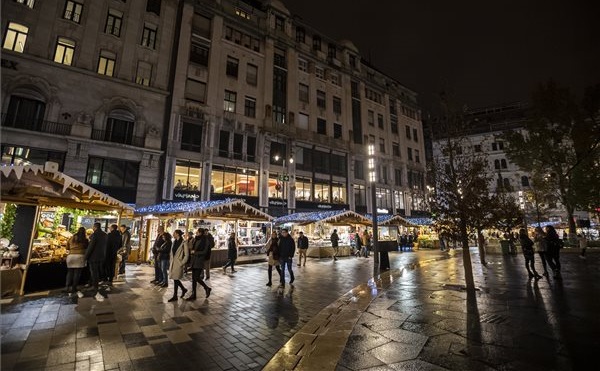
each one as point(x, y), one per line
point(496, 164)
point(524, 181)
point(506, 183)
point(120, 127)
point(26, 110)
point(503, 162)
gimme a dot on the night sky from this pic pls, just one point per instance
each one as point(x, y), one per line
point(484, 53)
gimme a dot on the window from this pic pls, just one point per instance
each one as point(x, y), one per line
point(503, 163)
point(354, 89)
point(316, 42)
point(231, 68)
point(65, 49)
point(393, 109)
point(381, 145)
point(250, 149)
point(337, 105)
point(300, 35)
point(398, 200)
point(144, 73)
point(199, 53)
point(321, 99)
point(106, 63)
point(303, 93)
point(497, 146)
point(195, 90)
point(417, 158)
point(396, 149)
point(223, 143)
point(16, 36)
point(394, 124)
point(303, 65)
point(407, 132)
point(250, 107)
point(338, 193)
point(501, 146)
point(238, 144)
point(494, 146)
point(331, 51)
point(201, 26)
point(506, 183)
point(359, 171)
point(524, 181)
point(302, 121)
point(153, 6)
point(279, 23)
point(229, 102)
point(371, 118)
point(337, 131)
point(320, 73)
point(28, 3)
point(251, 74)
point(277, 153)
point(114, 176)
point(398, 177)
point(113, 22)
point(373, 96)
point(415, 136)
point(229, 180)
point(191, 137)
point(73, 11)
point(409, 153)
point(188, 176)
point(25, 113)
point(496, 164)
point(335, 79)
point(242, 13)
point(321, 126)
point(149, 36)
point(380, 120)
point(279, 58)
point(352, 61)
point(360, 195)
point(477, 148)
point(384, 174)
point(240, 38)
point(303, 189)
point(13, 155)
point(119, 128)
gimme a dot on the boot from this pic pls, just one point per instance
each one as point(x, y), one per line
point(270, 274)
point(183, 292)
point(193, 296)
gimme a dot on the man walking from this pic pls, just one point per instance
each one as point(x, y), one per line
point(125, 246)
point(114, 244)
point(155, 252)
point(302, 247)
point(335, 244)
point(287, 248)
point(198, 253)
point(211, 243)
point(95, 255)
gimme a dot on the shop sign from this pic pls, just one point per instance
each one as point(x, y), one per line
point(382, 211)
point(320, 206)
point(183, 195)
point(277, 202)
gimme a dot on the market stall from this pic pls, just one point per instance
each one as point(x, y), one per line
point(390, 228)
point(423, 232)
point(220, 217)
point(42, 208)
point(319, 225)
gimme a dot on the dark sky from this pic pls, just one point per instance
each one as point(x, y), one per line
point(484, 52)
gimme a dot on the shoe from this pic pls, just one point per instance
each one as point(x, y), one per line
point(183, 292)
point(224, 270)
point(164, 284)
point(154, 281)
point(292, 280)
point(334, 258)
point(233, 271)
point(582, 257)
point(191, 298)
point(281, 285)
point(79, 294)
point(108, 288)
point(99, 297)
point(207, 290)
point(174, 298)
point(269, 284)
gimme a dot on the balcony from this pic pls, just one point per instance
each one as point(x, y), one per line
point(107, 136)
point(34, 124)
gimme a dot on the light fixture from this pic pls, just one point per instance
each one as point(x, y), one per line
point(291, 160)
point(276, 158)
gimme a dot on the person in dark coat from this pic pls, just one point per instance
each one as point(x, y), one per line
point(164, 254)
point(553, 246)
point(528, 253)
point(125, 246)
point(302, 248)
point(198, 253)
point(287, 248)
point(114, 244)
point(273, 256)
point(95, 256)
point(232, 250)
point(157, 244)
point(211, 243)
point(335, 244)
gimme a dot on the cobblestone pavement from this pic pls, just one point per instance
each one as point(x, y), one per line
point(241, 326)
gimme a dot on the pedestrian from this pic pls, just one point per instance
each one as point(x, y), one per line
point(113, 246)
point(403, 241)
point(528, 253)
point(95, 255)
point(197, 253)
point(287, 248)
point(583, 242)
point(125, 247)
point(157, 244)
point(541, 248)
point(76, 245)
point(302, 248)
point(211, 243)
point(358, 244)
point(164, 253)
point(180, 254)
point(273, 256)
point(553, 244)
point(335, 244)
point(366, 242)
point(232, 251)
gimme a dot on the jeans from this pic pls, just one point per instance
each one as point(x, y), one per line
point(164, 267)
point(122, 265)
point(73, 276)
point(110, 267)
point(553, 260)
point(283, 264)
point(157, 271)
point(230, 263)
point(543, 258)
point(95, 272)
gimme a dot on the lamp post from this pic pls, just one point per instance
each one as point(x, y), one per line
point(372, 181)
point(284, 178)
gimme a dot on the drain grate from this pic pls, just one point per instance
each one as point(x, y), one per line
point(492, 318)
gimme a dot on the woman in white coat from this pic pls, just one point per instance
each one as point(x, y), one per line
point(180, 254)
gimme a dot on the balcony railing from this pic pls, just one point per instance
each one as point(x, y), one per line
point(32, 124)
point(105, 136)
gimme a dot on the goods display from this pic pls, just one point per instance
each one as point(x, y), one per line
point(52, 247)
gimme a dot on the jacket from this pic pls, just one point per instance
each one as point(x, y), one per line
point(96, 251)
point(211, 243)
point(287, 248)
point(180, 254)
point(232, 248)
point(165, 250)
point(157, 244)
point(126, 241)
point(303, 242)
point(273, 247)
point(199, 249)
point(114, 243)
point(77, 247)
point(526, 246)
point(334, 239)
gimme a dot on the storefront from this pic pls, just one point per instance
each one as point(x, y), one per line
point(319, 225)
point(390, 228)
point(423, 230)
point(220, 217)
point(42, 208)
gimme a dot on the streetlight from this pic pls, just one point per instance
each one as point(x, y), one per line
point(372, 181)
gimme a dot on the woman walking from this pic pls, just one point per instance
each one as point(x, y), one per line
point(232, 250)
point(76, 260)
point(273, 254)
point(528, 253)
point(198, 253)
point(553, 244)
point(540, 247)
point(164, 253)
point(179, 257)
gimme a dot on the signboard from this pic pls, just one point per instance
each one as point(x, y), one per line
point(277, 202)
point(320, 206)
point(185, 195)
point(284, 178)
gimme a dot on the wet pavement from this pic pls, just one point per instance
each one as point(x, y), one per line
point(334, 316)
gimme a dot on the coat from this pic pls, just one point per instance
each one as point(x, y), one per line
point(96, 251)
point(198, 252)
point(273, 251)
point(287, 248)
point(164, 250)
point(114, 243)
point(232, 250)
point(178, 259)
point(126, 241)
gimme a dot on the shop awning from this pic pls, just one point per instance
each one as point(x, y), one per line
point(225, 209)
point(420, 221)
point(388, 219)
point(41, 185)
point(340, 217)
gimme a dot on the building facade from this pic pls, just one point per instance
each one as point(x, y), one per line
point(85, 84)
point(267, 108)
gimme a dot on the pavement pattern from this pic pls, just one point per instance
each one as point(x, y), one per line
point(333, 316)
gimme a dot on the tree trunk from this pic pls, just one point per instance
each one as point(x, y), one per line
point(481, 245)
point(469, 281)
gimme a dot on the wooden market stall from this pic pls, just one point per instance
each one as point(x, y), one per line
point(426, 236)
point(221, 217)
point(390, 227)
point(46, 208)
point(319, 225)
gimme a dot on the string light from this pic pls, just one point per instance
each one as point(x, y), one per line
point(199, 208)
point(320, 216)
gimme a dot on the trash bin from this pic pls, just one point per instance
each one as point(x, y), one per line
point(505, 245)
point(384, 260)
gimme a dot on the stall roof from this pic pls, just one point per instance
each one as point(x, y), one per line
point(332, 217)
point(229, 208)
point(42, 185)
point(420, 221)
point(389, 219)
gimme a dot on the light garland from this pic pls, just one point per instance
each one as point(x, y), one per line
point(200, 208)
point(320, 216)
